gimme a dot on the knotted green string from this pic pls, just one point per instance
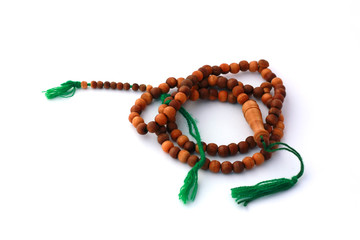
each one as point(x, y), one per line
point(246, 194)
point(65, 90)
point(189, 189)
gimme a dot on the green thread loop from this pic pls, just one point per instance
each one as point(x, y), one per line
point(189, 189)
point(65, 90)
point(246, 194)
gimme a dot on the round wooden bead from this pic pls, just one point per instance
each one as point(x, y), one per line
point(107, 85)
point(204, 93)
point(276, 103)
point(272, 119)
point(248, 162)
point(134, 87)
point(225, 68)
point(233, 149)
point(142, 128)
point(206, 164)
point(192, 160)
point(93, 84)
point(119, 86)
point(263, 63)
point(253, 66)
point(171, 126)
point(279, 132)
point(189, 146)
point(237, 90)
point(234, 68)
point(267, 155)
point(258, 92)
point(142, 87)
point(243, 147)
point(223, 96)
point(141, 102)
point(100, 84)
point(172, 82)
point(166, 146)
point(226, 167)
point(266, 97)
point(244, 65)
point(222, 82)
point(258, 158)
point(214, 166)
point(251, 141)
point(170, 112)
point(274, 110)
point(147, 97)
point(175, 104)
point(181, 97)
point(248, 89)
point(164, 87)
point(183, 156)
point(194, 95)
point(276, 81)
point(242, 98)
point(216, 70)
point(161, 119)
point(212, 80)
point(84, 84)
point(155, 92)
point(231, 83)
point(152, 127)
point(212, 149)
point(198, 74)
point(113, 85)
point(238, 166)
point(136, 121)
point(175, 134)
point(181, 140)
point(162, 137)
point(223, 151)
point(136, 108)
point(126, 86)
point(174, 151)
point(231, 98)
point(280, 124)
point(213, 94)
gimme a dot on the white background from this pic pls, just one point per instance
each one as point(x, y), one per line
point(76, 168)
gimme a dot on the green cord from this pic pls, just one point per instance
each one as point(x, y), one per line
point(65, 90)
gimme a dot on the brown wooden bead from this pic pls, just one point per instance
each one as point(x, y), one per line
point(100, 84)
point(258, 158)
point(264, 72)
point(136, 108)
point(253, 66)
point(194, 95)
point(281, 117)
point(183, 156)
point(248, 162)
point(212, 149)
point(251, 141)
point(84, 85)
point(171, 126)
point(204, 83)
point(267, 155)
point(276, 81)
point(269, 76)
point(223, 151)
point(194, 80)
point(242, 98)
point(279, 96)
point(175, 104)
point(136, 121)
point(213, 94)
point(203, 147)
point(172, 82)
point(126, 86)
point(225, 68)
point(164, 87)
point(212, 80)
point(231, 83)
point(93, 84)
point(175, 134)
point(214, 166)
point(192, 160)
point(162, 138)
point(231, 98)
point(236, 91)
point(181, 140)
point(141, 102)
point(268, 127)
point(106, 85)
point(134, 87)
point(233, 149)
point(187, 83)
point(263, 63)
point(166, 146)
point(148, 88)
point(204, 93)
point(234, 68)
point(243, 147)
point(147, 97)
point(258, 92)
point(206, 164)
point(152, 127)
point(222, 82)
point(238, 166)
point(142, 128)
point(186, 90)
point(248, 89)
point(280, 124)
point(155, 92)
point(272, 119)
point(198, 74)
point(189, 146)
point(223, 96)
point(161, 119)
point(132, 115)
point(276, 103)
point(119, 86)
point(244, 65)
point(278, 131)
point(113, 85)
point(174, 151)
point(170, 112)
point(181, 97)
point(142, 87)
point(216, 70)
point(266, 97)
point(226, 167)
point(208, 68)
point(161, 108)
point(162, 129)
point(274, 110)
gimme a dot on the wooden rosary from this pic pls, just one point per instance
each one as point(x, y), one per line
point(206, 83)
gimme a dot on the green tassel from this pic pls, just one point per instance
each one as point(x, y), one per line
point(246, 194)
point(189, 189)
point(66, 90)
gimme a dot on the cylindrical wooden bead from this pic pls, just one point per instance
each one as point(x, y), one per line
point(253, 116)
